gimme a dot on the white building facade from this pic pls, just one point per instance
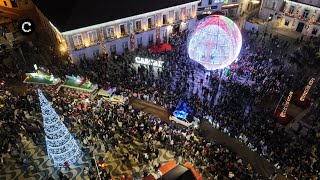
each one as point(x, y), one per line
point(127, 34)
point(227, 7)
point(299, 16)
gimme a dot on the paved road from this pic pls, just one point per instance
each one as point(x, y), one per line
point(260, 164)
point(156, 110)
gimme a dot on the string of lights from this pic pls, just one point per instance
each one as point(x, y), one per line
point(215, 42)
point(61, 146)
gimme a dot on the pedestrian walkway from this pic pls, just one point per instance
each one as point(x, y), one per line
point(41, 167)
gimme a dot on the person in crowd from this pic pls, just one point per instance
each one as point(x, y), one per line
point(253, 78)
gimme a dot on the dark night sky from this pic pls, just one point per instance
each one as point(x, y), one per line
point(72, 14)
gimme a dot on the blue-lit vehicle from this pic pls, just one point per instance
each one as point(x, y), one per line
point(180, 117)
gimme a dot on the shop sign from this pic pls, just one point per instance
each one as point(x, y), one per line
point(147, 61)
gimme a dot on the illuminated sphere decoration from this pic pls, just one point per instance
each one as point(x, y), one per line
point(215, 42)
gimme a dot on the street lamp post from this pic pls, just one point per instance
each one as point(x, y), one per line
point(269, 19)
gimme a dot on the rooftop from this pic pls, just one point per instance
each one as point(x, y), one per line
point(73, 14)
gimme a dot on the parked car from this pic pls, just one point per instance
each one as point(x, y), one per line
point(183, 120)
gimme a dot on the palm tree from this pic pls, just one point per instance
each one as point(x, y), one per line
point(306, 59)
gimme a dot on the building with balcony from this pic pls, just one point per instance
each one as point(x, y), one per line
point(226, 7)
point(101, 27)
point(301, 16)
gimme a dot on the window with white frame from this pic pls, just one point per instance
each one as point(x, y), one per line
point(171, 13)
point(139, 41)
point(314, 31)
point(110, 32)
point(122, 29)
point(188, 13)
point(77, 40)
point(150, 38)
point(291, 9)
point(306, 13)
point(177, 16)
point(125, 45)
point(93, 36)
point(183, 13)
point(150, 24)
point(138, 25)
point(164, 19)
point(165, 33)
point(113, 48)
point(271, 4)
point(286, 22)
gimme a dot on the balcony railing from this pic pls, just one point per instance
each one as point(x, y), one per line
point(165, 23)
point(288, 14)
point(317, 23)
point(152, 26)
point(125, 34)
point(79, 46)
point(299, 16)
point(138, 30)
point(94, 43)
point(111, 38)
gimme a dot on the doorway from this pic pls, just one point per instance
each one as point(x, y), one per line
point(300, 27)
point(176, 28)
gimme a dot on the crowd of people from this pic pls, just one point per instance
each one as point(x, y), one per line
point(221, 97)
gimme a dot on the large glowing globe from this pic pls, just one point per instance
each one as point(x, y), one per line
point(215, 42)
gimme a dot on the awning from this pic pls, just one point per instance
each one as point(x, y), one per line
point(167, 166)
point(161, 48)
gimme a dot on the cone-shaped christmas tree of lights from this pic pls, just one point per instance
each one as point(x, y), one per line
point(61, 146)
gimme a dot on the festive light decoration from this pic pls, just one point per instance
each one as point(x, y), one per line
point(180, 114)
point(41, 78)
point(307, 89)
point(286, 105)
point(215, 42)
point(61, 146)
point(146, 61)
